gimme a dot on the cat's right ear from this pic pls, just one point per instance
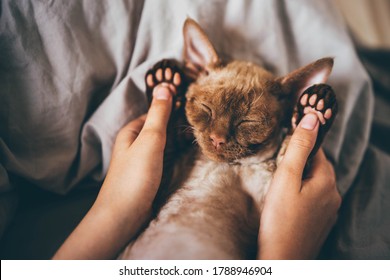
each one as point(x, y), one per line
point(199, 54)
point(299, 80)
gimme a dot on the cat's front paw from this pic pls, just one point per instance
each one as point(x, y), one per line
point(166, 72)
point(319, 99)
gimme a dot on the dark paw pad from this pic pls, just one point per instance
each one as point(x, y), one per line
point(319, 99)
point(166, 72)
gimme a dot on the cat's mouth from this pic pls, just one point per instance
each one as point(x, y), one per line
point(229, 152)
point(233, 152)
point(217, 155)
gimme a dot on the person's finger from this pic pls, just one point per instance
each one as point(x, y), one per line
point(318, 162)
point(321, 170)
point(130, 132)
point(300, 145)
point(160, 110)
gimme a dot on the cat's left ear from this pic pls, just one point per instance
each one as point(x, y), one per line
point(299, 80)
point(199, 54)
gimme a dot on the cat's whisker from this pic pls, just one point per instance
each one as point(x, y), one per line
point(258, 97)
point(184, 125)
point(187, 128)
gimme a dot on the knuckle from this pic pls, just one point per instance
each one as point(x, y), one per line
point(337, 200)
point(154, 136)
point(330, 180)
point(121, 135)
point(290, 170)
point(153, 133)
point(329, 175)
point(331, 172)
point(302, 143)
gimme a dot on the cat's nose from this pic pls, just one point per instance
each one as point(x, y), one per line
point(218, 141)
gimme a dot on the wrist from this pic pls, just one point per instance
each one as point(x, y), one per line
point(127, 208)
point(287, 249)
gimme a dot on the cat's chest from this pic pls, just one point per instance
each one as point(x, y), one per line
point(252, 177)
point(256, 178)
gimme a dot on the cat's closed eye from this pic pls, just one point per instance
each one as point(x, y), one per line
point(245, 121)
point(207, 109)
point(199, 113)
point(251, 132)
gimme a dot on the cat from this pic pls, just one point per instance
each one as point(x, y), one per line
point(239, 114)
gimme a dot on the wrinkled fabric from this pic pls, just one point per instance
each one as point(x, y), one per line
point(363, 227)
point(71, 75)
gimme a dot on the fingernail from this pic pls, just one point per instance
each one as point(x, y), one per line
point(161, 93)
point(309, 121)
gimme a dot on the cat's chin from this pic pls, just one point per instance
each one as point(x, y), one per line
point(244, 160)
point(222, 157)
point(216, 157)
point(251, 158)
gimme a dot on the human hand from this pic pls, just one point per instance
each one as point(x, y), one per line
point(124, 202)
point(299, 214)
point(136, 166)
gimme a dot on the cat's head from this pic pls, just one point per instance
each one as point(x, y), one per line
point(238, 109)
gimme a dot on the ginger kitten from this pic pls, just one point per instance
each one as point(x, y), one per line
point(239, 114)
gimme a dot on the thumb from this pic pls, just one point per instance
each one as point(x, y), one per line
point(159, 111)
point(301, 144)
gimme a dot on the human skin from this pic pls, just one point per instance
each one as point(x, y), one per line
point(298, 214)
point(124, 202)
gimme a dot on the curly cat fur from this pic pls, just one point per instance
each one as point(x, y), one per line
point(244, 98)
point(211, 216)
point(214, 210)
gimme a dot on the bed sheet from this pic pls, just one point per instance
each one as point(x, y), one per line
point(71, 75)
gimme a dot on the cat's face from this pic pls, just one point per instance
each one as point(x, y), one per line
point(234, 111)
point(238, 109)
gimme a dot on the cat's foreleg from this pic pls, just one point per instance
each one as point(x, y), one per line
point(168, 73)
point(319, 99)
